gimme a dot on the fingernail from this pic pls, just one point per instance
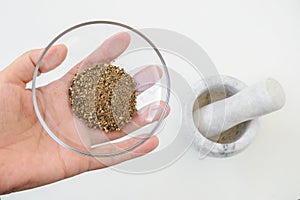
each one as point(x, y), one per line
point(141, 88)
point(147, 77)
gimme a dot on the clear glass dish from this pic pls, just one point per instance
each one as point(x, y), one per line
point(88, 46)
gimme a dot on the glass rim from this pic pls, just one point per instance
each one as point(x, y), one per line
point(54, 136)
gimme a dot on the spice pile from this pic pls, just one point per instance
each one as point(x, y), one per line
point(103, 96)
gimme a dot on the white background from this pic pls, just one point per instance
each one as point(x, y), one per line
point(250, 40)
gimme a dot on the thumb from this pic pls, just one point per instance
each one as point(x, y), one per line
point(22, 69)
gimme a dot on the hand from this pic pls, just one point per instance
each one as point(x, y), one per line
point(29, 157)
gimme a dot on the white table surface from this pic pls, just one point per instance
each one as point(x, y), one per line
point(250, 40)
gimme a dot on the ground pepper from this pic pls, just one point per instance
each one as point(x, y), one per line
point(103, 96)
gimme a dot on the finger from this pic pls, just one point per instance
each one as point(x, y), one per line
point(52, 59)
point(144, 79)
point(144, 116)
point(22, 69)
point(109, 50)
point(149, 145)
point(147, 77)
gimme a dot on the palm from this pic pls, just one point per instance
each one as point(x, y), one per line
point(25, 141)
point(26, 151)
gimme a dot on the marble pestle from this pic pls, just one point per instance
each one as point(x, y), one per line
point(252, 102)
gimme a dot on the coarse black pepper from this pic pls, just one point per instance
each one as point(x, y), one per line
point(103, 96)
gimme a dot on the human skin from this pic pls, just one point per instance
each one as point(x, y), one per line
point(29, 157)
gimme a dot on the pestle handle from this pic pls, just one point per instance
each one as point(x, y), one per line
point(252, 102)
